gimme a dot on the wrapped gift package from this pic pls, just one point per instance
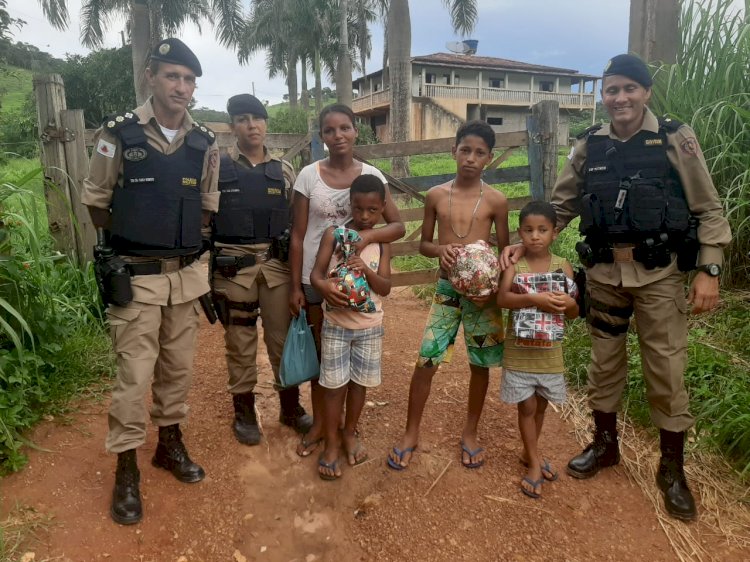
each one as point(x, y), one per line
point(532, 323)
point(476, 272)
point(352, 284)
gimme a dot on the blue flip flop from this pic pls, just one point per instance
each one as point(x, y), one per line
point(400, 454)
point(546, 467)
point(334, 466)
point(534, 484)
point(471, 453)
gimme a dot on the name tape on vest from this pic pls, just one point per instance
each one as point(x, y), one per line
point(189, 182)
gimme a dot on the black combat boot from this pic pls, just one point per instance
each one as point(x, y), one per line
point(126, 497)
point(172, 455)
point(602, 452)
point(245, 426)
point(292, 412)
point(678, 500)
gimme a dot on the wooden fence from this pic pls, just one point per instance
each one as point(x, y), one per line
point(65, 155)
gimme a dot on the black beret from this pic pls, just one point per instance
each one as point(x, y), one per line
point(245, 103)
point(631, 67)
point(175, 51)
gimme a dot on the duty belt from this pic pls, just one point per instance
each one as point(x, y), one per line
point(248, 260)
point(160, 266)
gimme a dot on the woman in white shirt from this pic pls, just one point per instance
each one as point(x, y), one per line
point(321, 199)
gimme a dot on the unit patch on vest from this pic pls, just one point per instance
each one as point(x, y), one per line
point(106, 148)
point(653, 142)
point(135, 154)
point(273, 191)
point(189, 182)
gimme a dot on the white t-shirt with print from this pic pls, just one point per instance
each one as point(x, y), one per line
point(327, 207)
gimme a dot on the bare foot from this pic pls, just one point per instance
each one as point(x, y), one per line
point(355, 451)
point(472, 455)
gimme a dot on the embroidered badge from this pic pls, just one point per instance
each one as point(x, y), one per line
point(164, 48)
point(135, 154)
point(653, 142)
point(690, 146)
point(106, 148)
point(189, 182)
point(597, 169)
point(273, 191)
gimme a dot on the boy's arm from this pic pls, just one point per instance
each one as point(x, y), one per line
point(571, 306)
point(506, 298)
point(501, 221)
point(380, 280)
point(318, 275)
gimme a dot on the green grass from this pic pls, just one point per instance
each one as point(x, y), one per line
point(15, 87)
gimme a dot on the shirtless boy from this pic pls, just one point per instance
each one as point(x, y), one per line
point(465, 210)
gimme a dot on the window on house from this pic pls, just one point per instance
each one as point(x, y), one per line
point(494, 120)
point(546, 86)
point(429, 78)
point(447, 79)
point(497, 82)
point(456, 80)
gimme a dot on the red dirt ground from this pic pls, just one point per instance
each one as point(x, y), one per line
point(266, 503)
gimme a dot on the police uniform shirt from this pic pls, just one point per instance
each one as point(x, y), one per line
point(686, 157)
point(106, 173)
point(274, 271)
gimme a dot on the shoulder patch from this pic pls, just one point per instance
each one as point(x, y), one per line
point(205, 131)
point(669, 124)
point(118, 120)
point(591, 130)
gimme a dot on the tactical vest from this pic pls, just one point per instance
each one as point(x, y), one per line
point(631, 191)
point(253, 208)
point(158, 210)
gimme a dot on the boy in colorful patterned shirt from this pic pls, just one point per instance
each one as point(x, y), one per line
point(539, 291)
point(465, 210)
point(352, 336)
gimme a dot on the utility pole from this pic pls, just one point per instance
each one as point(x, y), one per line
point(654, 35)
point(253, 84)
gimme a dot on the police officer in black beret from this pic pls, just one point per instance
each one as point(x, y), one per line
point(250, 275)
point(153, 184)
point(649, 213)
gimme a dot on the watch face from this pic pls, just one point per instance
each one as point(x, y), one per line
point(714, 270)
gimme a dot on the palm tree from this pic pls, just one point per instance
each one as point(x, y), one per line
point(463, 19)
point(148, 22)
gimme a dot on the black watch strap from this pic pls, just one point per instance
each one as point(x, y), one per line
point(713, 269)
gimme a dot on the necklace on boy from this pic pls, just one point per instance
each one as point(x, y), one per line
point(473, 214)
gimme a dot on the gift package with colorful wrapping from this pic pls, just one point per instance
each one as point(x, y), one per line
point(351, 283)
point(531, 323)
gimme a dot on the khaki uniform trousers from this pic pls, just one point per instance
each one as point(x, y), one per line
point(152, 343)
point(242, 341)
point(661, 321)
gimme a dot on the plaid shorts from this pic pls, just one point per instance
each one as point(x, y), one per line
point(518, 386)
point(350, 355)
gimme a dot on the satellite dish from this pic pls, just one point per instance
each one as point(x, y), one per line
point(467, 47)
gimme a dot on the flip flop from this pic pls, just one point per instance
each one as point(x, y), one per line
point(471, 453)
point(400, 454)
point(546, 467)
point(334, 466)
point(534, 484)
point(311, 445)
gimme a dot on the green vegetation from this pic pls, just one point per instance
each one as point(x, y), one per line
point(709, 88)
point(17, 114)
point(52, 340)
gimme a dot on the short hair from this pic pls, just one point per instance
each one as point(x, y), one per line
point(542, 208)
point(367, 183)
point(153, 66)
point(336, 108)
point(477, 128)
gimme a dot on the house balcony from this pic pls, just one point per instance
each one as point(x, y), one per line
point(474, 94)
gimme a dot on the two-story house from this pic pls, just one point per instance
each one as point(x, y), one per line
point(449, 89)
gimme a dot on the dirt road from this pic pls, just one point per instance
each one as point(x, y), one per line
point(266, 503)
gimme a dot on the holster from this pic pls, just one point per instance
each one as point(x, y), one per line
point(280, 246)
point(224, 306)
point(582, 300)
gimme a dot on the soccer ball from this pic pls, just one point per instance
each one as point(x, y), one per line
point(476, 272)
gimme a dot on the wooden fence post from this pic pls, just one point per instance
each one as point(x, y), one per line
point(547, 114)
point(77, 162)
point(50, 100)
point(316, 143)
point(534, 149)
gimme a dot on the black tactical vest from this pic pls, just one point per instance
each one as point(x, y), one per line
point(253, 208)
point(157, 211)
point(631, 191)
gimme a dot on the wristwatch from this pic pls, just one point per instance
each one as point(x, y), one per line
point(713, 269)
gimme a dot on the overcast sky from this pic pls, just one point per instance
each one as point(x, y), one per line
point(577, 34)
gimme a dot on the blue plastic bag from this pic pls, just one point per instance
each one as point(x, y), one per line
point(299, 360)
